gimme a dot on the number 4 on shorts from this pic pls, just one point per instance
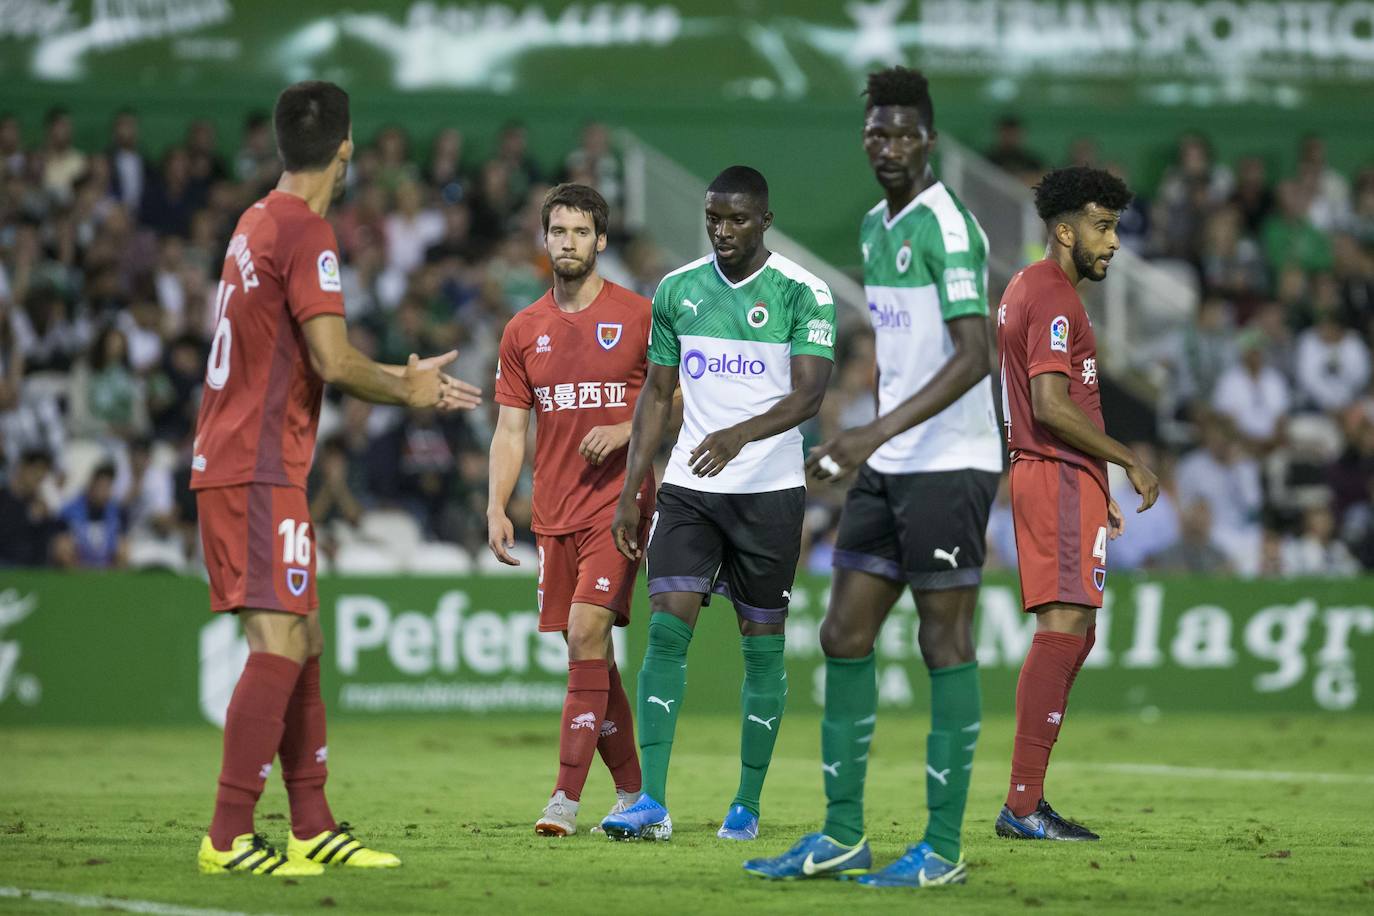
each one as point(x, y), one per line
point(1100, 545)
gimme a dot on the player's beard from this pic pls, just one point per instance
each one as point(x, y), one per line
point(568, 272)
point(1085, 262)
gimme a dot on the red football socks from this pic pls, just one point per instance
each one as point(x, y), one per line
point(583, 711)
point(617, 741)
point(252, 731)
point(303, 753)
point(1089, 639)
point(1050, 667)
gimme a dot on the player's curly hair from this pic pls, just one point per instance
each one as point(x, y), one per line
point(901, 86)
point(1069, 190)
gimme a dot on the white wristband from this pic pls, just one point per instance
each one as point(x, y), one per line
point(830, 466)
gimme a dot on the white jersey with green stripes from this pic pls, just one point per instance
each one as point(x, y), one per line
point(922, 268)
point(733, 344)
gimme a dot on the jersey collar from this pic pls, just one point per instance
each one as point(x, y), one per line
point(747, 280)
point(889, 222)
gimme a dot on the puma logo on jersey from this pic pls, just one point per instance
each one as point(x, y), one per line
point(766, 723)
point(689, 304)
point(941, 775)
point(832, 769)
point(666, 704)
point(950, 556)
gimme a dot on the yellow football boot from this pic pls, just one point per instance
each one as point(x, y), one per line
point(251, 855)
point(337, 847)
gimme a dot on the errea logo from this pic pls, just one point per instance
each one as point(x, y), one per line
point(603, 584)
point(543, 344)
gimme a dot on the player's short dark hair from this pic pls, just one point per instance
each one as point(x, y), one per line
point(1071, 189)
point(741, 179)
point(577, 197)
point(311, 119)
point(901, 86)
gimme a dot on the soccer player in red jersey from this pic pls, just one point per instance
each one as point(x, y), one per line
point(279, 337)
point(1060, 505)
point(578, 357)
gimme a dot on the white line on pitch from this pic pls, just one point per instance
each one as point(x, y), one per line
point(90, 901)
point(1163, 769)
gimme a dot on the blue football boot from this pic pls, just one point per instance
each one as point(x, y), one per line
point(919, 866)
point(815, 856)
point(1044, 823)
point(646, 819)
point(740, 824)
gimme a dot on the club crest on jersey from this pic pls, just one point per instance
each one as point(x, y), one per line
point(1100, 577)
point(328, 264)
point(608, 334)
point(1059, 334)
point(758, 315)
point(297, 580)
point(904, 257)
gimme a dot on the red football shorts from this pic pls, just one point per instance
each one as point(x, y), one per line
point(1060, 516)
point(259, 548)
point(583, 567)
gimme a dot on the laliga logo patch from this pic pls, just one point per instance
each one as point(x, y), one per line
point(758, 315)
point(297, 580)
point(1059, 334)
point(328, 264)
point(608, 334)
point(1100, 577)
point(904, 257)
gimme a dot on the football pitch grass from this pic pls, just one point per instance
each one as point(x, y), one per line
point(1199, 814)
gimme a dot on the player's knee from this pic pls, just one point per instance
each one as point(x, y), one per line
point(586, 643)
point(945, 645)
point(838, 641)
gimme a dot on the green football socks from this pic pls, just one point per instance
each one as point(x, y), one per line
point(955, 710)
point(662, 683)
point(851, 707)
point(762, 700)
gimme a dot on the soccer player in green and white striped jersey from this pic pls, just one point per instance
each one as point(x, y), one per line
point(916, 515)
point(750, 335)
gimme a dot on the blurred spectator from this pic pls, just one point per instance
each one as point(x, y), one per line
point(1253, 394)
point(394, 165)
point(1010, 154)
point(130, 172)
point(12, 157)
point(174, 389)
point(1191, 188)
point(1085, 152)
point(1207, 348)
point(30, 533)
point(1317, 551)
point(1253, 198)
point(512, 151)
point(173, 196)
point(1332, 363)
point(1222, 475)
point(62, 163)
point(445, 173)
point(204, 163)
point(97, 523)
point(49, 339)
point(411, 228)
point(1289, 236)
point(1327, 190)
point(1133, 228)
point(1232, 264)
point(594, 162)
point(331, 486)
point(107, 397)
point(256, 163)
point(1194, 551)
point(147, 492)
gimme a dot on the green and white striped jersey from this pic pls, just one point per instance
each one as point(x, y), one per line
point(733, 344)
point(923, 267)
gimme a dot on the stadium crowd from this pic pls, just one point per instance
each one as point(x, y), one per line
point(109, 260)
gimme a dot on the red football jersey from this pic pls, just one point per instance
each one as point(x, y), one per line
point(577, 370)
point(1043, 327)
point(261, 404)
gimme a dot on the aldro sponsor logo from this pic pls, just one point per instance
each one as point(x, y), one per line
point(889, 317)
point(730, 365)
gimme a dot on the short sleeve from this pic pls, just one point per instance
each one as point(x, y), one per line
point(314, 284)
point(664, 348)
point(813, 321)
point(959, 262)
point(1048, 336)
point(512, 383)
